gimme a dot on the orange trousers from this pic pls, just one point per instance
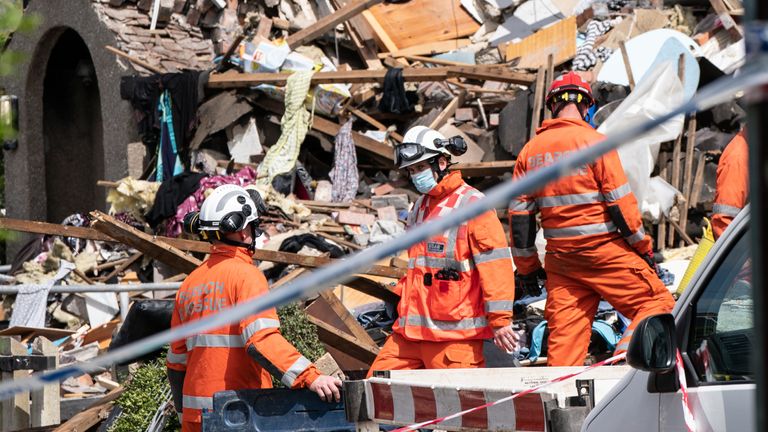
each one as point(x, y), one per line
point(191, 427)
point(400, 353)
point(575, 284)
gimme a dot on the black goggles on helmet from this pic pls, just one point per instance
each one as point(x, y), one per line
point(407, 152)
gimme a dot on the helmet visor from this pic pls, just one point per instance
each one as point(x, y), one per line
point(407, 152)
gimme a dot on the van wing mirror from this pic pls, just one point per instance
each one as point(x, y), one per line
point(652, 347)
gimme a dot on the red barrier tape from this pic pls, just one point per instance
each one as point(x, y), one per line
point(611, 360)
point(687, 412)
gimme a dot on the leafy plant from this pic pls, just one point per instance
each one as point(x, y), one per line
point(142, 397)
point(296, 329)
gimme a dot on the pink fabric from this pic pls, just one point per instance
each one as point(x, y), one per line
point(245, 176)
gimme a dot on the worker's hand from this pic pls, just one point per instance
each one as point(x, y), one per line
point(505, 338)
point(327, 387)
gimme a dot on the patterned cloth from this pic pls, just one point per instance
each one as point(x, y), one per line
point(282, 156)
point(344, 174)
point(29, 307)
point(587, 55)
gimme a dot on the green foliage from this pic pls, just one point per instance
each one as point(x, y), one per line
point(142, 397)
point(12, 20)
point(296, 329)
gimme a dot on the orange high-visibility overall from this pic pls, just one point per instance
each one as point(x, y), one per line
point(442, 322)
point(732, 192)
point(226, 358)
point(595, 240)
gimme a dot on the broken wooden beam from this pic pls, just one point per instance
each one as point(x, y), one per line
point(495, 73)
point(448, 111)
point(484, 169)
point(328, 22)
point(146, 243)
point(344, 341)
point(187, 245)
point(346, 317)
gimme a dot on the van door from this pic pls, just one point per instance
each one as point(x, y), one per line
point(717, 345)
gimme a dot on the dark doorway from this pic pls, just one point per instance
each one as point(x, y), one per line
point(72, 129)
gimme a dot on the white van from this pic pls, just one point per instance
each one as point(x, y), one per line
point(712, 326)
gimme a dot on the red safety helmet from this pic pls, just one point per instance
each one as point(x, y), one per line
point(572, 88)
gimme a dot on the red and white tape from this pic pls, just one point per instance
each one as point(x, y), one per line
point(688, 413)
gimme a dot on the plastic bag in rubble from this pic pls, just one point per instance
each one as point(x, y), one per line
point(659, 90)
point(385, 230)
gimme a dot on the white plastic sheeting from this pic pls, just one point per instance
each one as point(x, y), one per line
point(659, 90)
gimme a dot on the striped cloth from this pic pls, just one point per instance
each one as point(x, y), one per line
point(344, 174)
point(587, 55)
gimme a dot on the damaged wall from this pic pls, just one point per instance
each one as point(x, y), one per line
point(52, 141)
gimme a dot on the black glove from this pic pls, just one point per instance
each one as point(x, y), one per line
point(529, 284)
point(648, 258)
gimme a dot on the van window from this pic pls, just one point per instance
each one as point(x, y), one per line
point(722, 333)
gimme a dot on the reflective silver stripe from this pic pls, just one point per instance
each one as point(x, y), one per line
point(176, 358)
point(517, 205)
point(197, 402)
point(572, 199)
point(214, 341)
point(439, 263)
point(464, 324)
point(299, 366)
point(524, 252)
point(725, 209)
point(492, 255)
point(618, 193)
point(622, 346)
point(636, 237)
point(499, 306)
point(258, 325)
point(580, 230)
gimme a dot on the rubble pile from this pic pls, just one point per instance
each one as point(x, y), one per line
point(303, 101)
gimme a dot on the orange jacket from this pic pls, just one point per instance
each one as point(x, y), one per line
point(443, 310)
point(583, 210)
point(223, 359)
point(732, 192)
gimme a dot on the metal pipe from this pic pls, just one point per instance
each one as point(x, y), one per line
point(114, 288)
point(5, 268)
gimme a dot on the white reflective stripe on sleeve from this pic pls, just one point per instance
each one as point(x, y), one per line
point(214, 341)
point(618, 193)
point(293, 372)
point(258, 325)
point(463, 324)
point(492, 255)
point(174, 358)
point(197, 402)
point(725, 209)
point(524, 252)
point(572, 199)
point(636, 237)
point(499, 306)
point(575, 231)
point(522, 206)
point(440, 263)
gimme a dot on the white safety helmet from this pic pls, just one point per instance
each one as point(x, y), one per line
point(420, 143)
point(228, 209)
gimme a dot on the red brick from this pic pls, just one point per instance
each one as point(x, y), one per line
point(387, 213)
point(347, 217)
point(465, 114)
point(383, 189)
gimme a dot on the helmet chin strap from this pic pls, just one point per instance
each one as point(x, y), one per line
point(250, 246)
point(436, 168)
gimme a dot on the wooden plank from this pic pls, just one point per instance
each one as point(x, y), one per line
point(687, 173)
point(188, 245)
point(661, 233)
point(448, 111)
point(423, 21)
point(682, 233)
point(379, 34)
point(484, 169)
point(435, 61)
point(85, 420)
point(550, 77)
point(121, 268)
point(149, 245)
point(134, 60)
point(430, 48)
point(344, 341)
point(627, 65)
point(373, 288)
point(495, 73)
point(676, 150)
point(698, 180)
point(558, 40)
point(375, 123)
point(264, 28)
point(14, 411)
point(349, 321)
point(538, 100)
point(46, 409)
point(328, 22)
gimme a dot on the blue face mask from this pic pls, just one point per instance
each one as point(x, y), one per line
point(424, 180)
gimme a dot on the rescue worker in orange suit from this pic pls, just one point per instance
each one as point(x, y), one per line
point(459, 288)
point(241, 355)
point(732, 193)
point(596, 245)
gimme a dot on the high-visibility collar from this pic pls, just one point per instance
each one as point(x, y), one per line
point(562, 122)
point(447, 185)
point(222, 250)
